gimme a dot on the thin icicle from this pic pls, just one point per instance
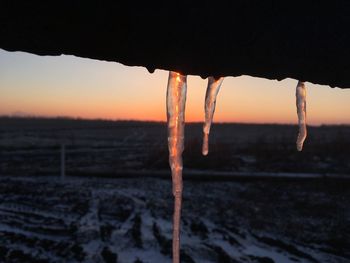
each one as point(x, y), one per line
point(176, 100)
point(301, 110)
point(209, 108)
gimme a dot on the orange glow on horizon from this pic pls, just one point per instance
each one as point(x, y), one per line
point(75, 87)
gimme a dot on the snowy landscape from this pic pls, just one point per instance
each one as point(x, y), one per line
point(254, 198)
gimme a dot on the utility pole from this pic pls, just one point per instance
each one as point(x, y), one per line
point(63, 161)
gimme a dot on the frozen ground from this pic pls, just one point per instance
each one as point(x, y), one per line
point(253, 199)
point(43, 219)
point(32, 146)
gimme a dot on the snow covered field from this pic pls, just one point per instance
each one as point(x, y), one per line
point(254, 198)
point(43, 219)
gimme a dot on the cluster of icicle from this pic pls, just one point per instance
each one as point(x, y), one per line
point(176, 101)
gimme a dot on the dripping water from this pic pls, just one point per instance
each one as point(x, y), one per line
point(176, 100)
point(209, 108)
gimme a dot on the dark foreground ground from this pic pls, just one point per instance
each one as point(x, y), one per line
point(43, 219)
point(31, 146)
point(253, 199)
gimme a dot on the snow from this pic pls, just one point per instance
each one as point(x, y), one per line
point(234, 219)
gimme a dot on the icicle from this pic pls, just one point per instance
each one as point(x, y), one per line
point(301, 110)
point(210, 101)
point(176, 100)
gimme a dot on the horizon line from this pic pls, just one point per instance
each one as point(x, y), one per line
point(77, 118)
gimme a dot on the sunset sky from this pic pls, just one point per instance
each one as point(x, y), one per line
point(78, 87)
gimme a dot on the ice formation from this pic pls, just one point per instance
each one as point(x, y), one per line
point(176, 100)
point(209, 108)
point(301, 110)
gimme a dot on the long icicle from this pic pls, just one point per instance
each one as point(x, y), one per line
point(301, 110)
point(176, 100)
point(209, 108)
